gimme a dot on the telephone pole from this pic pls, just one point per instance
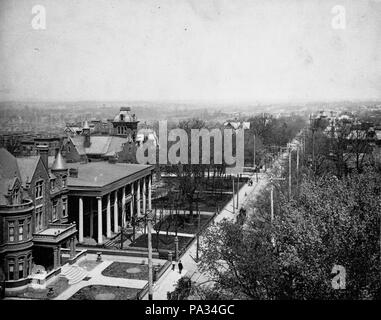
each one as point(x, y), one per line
point(289, 172)
point(198, 236)
point(272, 203)
point(150, 280)
point(233, 195)
point(297, 169)
point(237, 190)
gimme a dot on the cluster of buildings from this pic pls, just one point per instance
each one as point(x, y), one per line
point(82, 195)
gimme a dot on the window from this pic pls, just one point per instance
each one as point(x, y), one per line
point(11, 270)
point(64, 207)
point(21, 230)
point(16, 196)
point(39, 218)
point(52, 184)
point(28, 265)
point(39, 189)
point(11, 231)
point(64, 182)
point(28, 230)
point(54, 212)
point(21, 268)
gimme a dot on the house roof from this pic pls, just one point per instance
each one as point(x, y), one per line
point(8, 164)
point(99, 145)
point(99, 174)
point(27, 167)
point(9, 174)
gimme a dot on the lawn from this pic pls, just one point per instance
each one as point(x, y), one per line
point(99, 292)
point(208, 202)
point(126, 270)
point(165, 242)
point(183, 224)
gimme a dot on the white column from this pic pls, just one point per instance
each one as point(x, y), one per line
point(116, 212)
point(138, 199)
point(108, 217)
point(150, 192)
point(132, 200)
point(80, 231)
point(100, 236)
point(144, 196)
point(123, 206)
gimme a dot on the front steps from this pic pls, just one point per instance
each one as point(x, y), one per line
point(73, 273)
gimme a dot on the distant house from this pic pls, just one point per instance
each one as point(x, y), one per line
point(237, 125)
point(89, 147)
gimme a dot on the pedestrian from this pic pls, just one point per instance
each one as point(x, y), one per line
point(180, 265)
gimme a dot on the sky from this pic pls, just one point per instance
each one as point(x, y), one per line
point(195, 50)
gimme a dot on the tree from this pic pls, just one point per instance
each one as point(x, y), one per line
point(331, 222)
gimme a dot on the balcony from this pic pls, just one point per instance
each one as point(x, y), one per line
point(24, 206)
point(54, 233)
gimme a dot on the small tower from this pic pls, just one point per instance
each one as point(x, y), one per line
point(125, 124)
point(59, 165)
point(86, 134)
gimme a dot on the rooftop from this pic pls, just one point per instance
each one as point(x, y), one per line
point(109, 145)
point(99, 174)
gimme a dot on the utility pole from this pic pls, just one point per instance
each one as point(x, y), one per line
point(233, 195)
point(150, 290)
point(297, 168)
point(237, 190)
point(254, 164)
point(272, 203)
point(254, 152)
point(198, 236)
point(289, 172)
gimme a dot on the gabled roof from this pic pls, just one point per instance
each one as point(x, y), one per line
point(8, 164)
point(9, 174)
point(27, 167)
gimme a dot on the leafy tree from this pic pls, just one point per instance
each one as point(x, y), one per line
point(331, 222)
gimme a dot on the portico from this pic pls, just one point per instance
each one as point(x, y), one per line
point(106, 196)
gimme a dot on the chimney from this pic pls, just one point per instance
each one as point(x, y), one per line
point(73, 172)
point(43, 151)
point(86, 133)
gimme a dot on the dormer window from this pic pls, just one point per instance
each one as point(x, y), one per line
point(16, 196)
point(122, 117)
